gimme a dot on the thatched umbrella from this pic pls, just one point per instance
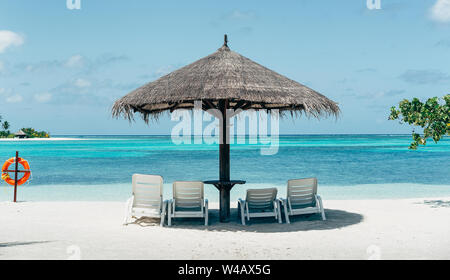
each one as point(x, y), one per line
point(223, 80)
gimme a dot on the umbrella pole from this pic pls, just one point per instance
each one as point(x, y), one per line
point(224, 164)
point(224, 156)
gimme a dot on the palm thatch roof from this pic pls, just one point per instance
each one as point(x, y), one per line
point(223, 75)
point(20, 133)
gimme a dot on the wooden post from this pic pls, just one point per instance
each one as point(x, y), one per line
point(16, 171)
point(224, 156)
point(224, 204)
point(224, 164)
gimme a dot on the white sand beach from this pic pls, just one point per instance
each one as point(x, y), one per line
point(355, 229)
point(39, 139)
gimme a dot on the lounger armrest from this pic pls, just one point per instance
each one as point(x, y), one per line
point(170, 205)
point(282, 201)
point(241, 201)
point(130, 202)
point(128, 206)
point(318, 199)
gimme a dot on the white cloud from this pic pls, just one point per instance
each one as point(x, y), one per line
point(4, 92)
point(424, 76)
point(379, 94)
point(43, 97)
point(240, 15)
point(440, 11)
point(8, 39)
point(81, 83)
point(14, 99)
point(75, 61)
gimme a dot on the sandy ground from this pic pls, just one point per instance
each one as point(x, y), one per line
point(355, 229)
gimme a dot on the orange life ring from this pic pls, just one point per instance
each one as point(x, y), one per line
point(11, 181)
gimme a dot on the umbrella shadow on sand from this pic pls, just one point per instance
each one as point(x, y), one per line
point(437, 203)
point(335, 219)
point(19, 243)
point(12, 244)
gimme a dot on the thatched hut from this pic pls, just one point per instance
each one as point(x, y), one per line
point(20, 134)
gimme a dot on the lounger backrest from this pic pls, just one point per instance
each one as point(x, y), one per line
point(147, 191)
point(261, 198)
point(188, 194)
point(301, 192)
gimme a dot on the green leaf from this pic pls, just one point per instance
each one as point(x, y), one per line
point(433, 116)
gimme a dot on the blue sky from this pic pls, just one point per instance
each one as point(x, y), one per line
point(61, 69)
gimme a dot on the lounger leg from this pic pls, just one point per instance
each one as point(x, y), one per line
point(277, 203)
point(247, 211)
point(163, 215)
point(169, 216)
point(241, 206)
point(239, 210)
point(322, 210)
point(206, 212)
point(286, 213)
point(275, 212)
point(242, 215)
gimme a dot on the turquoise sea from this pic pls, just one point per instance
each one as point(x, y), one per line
point(347, 166)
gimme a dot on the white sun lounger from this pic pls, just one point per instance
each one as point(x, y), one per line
point(302, 198)
point(147, 198)
point(259, 203)
point(188, 201)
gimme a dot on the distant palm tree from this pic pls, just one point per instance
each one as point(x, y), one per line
point(5, 125)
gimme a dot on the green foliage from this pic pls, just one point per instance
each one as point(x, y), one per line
point(5, 125)
point(432, 116)
point(31, 133)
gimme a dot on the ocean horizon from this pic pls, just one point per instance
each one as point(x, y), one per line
point(348, 166)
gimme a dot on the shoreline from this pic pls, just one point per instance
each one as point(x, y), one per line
point(64, 136)
point(354, 229)
point(39, 139)
point(119, 192)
